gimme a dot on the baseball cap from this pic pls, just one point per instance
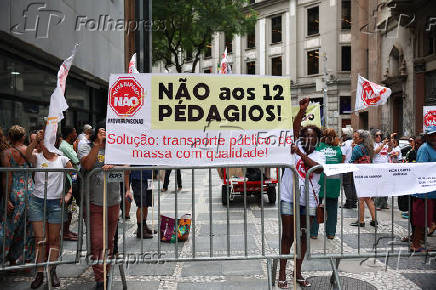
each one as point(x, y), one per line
point(430, 130)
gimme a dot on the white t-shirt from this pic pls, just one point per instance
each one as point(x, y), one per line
point(54, 180)
point(382, 156)
point(288, 180)
point(396, 158)
point(347, 150)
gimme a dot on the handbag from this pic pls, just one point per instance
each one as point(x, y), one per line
point(168, 229)
point(319, 208)
point(363, 159)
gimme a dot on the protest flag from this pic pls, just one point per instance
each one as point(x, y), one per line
point(132, 65)
point(225, 67)
point(370, 94)
point(58, 105)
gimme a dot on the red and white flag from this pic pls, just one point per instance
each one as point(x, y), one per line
point(225, 67)
point(370, 94)
point(132, 65)
point(58, 105)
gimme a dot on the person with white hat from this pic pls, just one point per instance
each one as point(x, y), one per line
point(347, 178)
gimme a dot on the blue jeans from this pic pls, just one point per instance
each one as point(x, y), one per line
point(331, 207)
point(53, 211)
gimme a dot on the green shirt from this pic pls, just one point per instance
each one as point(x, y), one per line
point(333, 155)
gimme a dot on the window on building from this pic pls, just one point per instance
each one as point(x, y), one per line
point(346, 14)
point(276, 66)
point(345, 105)
point(363, 120)
point(208, 51)
point(228, 43)
point(251, 68)
point(312, 21)
point(346, 58)
point(251, 39)
point(313, 62)
point(207, 70)
point(276, 29)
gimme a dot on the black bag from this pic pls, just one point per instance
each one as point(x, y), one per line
point(403, 203)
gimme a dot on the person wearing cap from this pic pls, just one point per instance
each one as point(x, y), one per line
point(87, 131)
point(426, 153)
point(347, 178)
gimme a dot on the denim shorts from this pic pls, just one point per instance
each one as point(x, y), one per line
point(287, 208)
point(53, 213)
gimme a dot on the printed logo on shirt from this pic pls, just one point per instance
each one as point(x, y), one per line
point(328, 152)
point(44, 165)
point(100, 158)
point(301, 169)
point(384, 151)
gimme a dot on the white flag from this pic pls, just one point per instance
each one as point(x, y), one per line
point(58, 105)
point(370, 94)
point(225, 67)
point(132, 65)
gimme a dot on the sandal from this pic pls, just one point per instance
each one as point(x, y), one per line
point(303, 283)
point(283, 284)
point(417, 250)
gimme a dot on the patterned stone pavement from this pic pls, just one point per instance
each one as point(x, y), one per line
point(404, 273)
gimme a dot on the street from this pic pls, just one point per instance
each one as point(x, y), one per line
point(412, 272)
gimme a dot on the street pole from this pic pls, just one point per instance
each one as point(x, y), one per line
point(143, 11)
point(324, 90)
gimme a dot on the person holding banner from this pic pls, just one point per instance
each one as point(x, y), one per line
point(382, 150)
point(426, 153)
point(305, 157)
point(49, 189)
point(92, 155)
point(363, 151)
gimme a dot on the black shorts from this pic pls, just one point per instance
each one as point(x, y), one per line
point(145, 194)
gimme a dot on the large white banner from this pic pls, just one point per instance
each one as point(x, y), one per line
point(388, 179)
point(198, 120)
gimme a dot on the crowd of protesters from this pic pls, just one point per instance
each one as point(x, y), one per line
point(315, 147)
point(39, 205)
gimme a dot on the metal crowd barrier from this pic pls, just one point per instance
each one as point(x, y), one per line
point(124, 252)
point(336, 257)
point(7, 173)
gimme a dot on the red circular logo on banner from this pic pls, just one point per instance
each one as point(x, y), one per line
point(430, 119)
point(126, 97)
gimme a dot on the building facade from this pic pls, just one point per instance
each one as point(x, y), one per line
point(36, 36)
point(308, 41)
point(393, 44)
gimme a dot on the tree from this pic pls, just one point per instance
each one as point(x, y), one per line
point(188, 25)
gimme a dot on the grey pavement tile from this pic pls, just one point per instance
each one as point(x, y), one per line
point(220, 243)
point(71, 270)
point(424, 281)
point(221, 229)
point(222, 216)
point(411, 263)
point(367, 240)
point(17, 285)
point(240, 283)
point(166, 269)
point(316, 265)
point(202, 269)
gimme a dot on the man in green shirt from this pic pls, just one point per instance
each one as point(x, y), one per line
point(69, 136)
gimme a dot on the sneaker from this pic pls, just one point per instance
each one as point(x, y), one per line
point(347, 206)
point(145, 234)
point(405, 215)
point(357, 224)
point(164, 189)
point(179, 189)
point(373, 223)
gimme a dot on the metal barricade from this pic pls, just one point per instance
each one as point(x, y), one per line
point(336, 257)
point(122, 259)
point(7, 174)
